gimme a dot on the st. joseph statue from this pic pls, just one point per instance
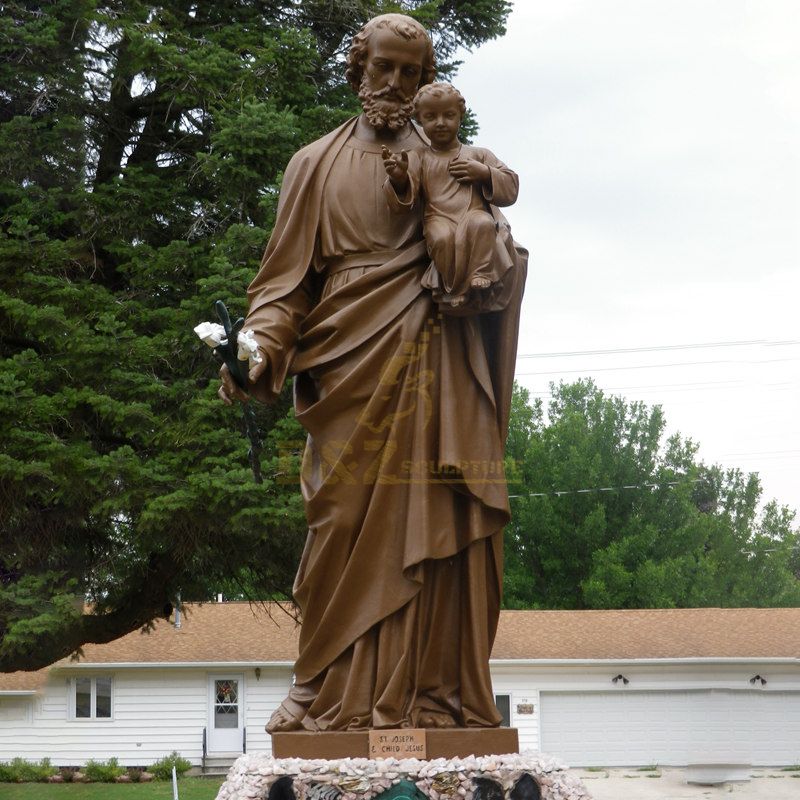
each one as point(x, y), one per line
point(406, 408)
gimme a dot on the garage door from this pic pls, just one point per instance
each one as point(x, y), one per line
point(672, 728)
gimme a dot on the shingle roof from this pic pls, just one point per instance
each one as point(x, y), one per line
point(22, 681)
point(241, 633)
point(211, 632)
point(649, 633)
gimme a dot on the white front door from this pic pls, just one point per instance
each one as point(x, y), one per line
point(225, 713)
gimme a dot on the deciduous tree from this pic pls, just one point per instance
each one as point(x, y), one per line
point(610, 515)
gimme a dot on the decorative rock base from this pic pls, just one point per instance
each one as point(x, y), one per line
point(440, 743)
point(527, 776)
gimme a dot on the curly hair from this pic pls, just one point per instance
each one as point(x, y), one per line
point(440, 90)
point(403, 26)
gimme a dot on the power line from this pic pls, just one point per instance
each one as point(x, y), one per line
point(561, 492)
point(662, 348)
point(590, 370)
point(689, 388)
point(652, 386)
point(759, 453)
point(762, 458)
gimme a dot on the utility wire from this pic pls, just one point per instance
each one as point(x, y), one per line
point(561, 492)
point(688, 388)
point(590, 370)
point(759, 453)
point(662, 348)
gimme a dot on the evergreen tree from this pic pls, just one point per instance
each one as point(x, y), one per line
point(141, 150)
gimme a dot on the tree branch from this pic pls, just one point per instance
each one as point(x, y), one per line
point(149, 600)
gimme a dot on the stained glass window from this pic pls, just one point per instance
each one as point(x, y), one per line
point(226, 704)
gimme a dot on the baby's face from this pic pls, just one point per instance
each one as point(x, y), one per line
point(440, 118)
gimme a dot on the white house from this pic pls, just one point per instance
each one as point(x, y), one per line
point(611, 688)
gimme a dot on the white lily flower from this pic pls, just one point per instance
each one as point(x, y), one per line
point(248, 348)
point(212, 333)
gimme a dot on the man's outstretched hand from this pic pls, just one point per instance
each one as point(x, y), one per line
point(396, 165)
point(230, 391)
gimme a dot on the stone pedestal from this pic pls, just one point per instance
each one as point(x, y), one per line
point(526, 776)
point(443, 743)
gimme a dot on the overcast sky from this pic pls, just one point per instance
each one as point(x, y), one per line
point(658, 148)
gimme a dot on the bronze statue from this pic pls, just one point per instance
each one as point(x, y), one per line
point(457, 182)
point(406, 404)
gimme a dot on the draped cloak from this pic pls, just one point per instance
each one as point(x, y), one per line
point(406, 410)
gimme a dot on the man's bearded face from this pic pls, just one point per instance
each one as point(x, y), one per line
point(385, 108)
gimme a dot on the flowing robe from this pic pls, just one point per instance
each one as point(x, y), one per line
point(406, 411)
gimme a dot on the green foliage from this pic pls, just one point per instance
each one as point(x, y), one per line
point(141, 153)
point(162, 769)
point(612, 516)
point(21, 771)
point(103, 771)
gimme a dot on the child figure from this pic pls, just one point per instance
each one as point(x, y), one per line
point(457, 183)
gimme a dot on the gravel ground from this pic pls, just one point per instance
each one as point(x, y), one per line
point(669, 783)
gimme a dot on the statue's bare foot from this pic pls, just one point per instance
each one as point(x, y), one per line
point(480, 283)
point(282, 720)
point(435, 719)
point(455, 302)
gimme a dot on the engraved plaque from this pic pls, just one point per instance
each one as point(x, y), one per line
point(397, 743)
point(525, 708)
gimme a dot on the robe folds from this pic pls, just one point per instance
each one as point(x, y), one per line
point(406, 410)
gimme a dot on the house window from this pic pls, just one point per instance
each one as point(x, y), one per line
point(90, 698)
point(503, 703)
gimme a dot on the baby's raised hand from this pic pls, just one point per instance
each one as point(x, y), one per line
point(396, 165)
point(468, 170)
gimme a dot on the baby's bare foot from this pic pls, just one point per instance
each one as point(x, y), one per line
point(480, 283)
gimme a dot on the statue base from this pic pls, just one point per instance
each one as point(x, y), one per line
point(525, 776)
point(439, 743)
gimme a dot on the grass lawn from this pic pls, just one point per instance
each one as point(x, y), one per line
point(188, 789)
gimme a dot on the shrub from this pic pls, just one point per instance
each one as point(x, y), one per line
point(68, 773)
point(103, 771)
point(162, 769)
point(21, 771)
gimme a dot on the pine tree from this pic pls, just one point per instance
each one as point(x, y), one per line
point(141, 155)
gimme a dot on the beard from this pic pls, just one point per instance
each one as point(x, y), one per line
point(385, 108)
